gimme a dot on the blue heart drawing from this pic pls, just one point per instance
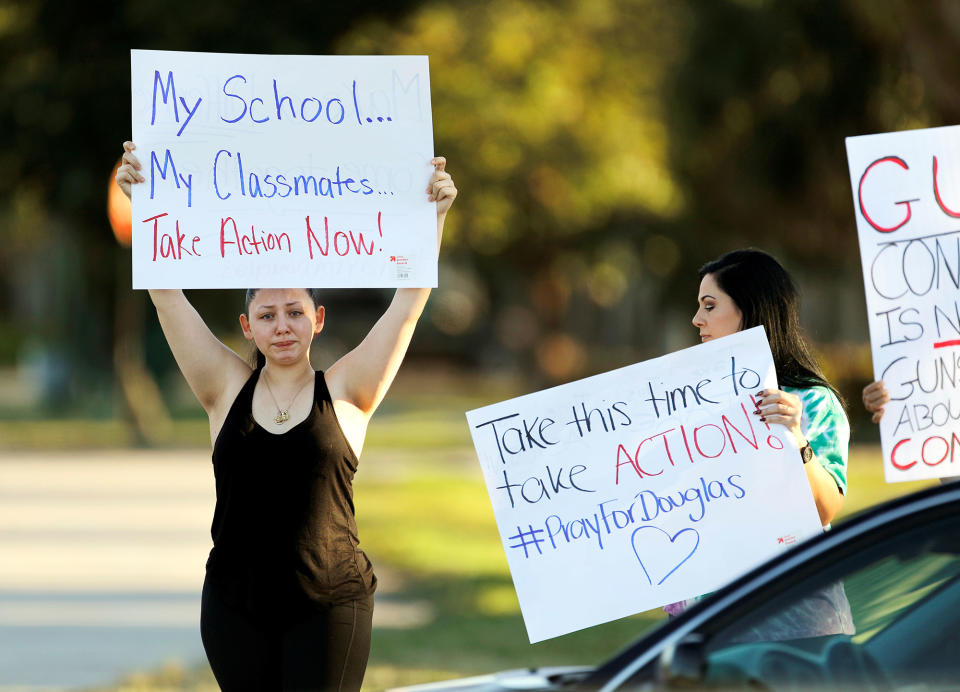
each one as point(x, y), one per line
point(673, 540)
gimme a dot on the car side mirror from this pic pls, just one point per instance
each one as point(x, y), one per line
point(683, 663)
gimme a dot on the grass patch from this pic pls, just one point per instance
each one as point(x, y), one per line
point(436, 429)
point(430, 527)
point(867, 487)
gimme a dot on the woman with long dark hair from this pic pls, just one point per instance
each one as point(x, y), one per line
point(287, 600)
point(746, 288)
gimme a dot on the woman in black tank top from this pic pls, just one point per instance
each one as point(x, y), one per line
point(288, 597)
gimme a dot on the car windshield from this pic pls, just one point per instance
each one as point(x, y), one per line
point(886, 615)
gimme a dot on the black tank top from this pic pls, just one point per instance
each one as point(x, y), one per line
point(284, 533)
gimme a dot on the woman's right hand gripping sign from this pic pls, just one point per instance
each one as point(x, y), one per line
point(875, 397)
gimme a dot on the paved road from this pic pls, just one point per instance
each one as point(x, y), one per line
point(101, 564)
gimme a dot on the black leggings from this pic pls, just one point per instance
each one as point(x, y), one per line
point(328, 651)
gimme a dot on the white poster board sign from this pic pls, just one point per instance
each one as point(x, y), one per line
point(906, 195)
point(279, 170)
point(642, 486)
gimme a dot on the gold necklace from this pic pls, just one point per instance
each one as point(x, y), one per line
point(283, 414)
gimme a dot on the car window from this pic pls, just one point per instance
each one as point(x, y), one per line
point(886, 615)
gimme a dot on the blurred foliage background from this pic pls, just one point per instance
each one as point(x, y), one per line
point(603, 149)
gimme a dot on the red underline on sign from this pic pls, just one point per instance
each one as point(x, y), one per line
point(941, 344)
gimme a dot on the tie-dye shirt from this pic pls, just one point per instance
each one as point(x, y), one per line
point(825, 426)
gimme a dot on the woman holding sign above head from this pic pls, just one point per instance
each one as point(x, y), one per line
point(747, 288)
point(288, 595)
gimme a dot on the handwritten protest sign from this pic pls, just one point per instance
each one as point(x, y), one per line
point(642, 486)
point(277, 171)
point(906, 194)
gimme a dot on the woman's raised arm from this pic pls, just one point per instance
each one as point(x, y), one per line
point(363, 376)
point(214, 372)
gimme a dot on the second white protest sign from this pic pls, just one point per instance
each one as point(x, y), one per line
point(642, 486)
point(907, 209)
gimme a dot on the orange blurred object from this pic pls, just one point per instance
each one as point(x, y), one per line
point(119, 210)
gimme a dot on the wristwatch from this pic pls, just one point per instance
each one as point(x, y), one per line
point(806, 453)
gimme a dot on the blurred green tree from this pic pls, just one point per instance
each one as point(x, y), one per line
point(764, 98)
point(604, 149)
point(552, 118)
point(64, 112)
point(607, 149)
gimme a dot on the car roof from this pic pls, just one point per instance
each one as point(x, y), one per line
point(902, 512)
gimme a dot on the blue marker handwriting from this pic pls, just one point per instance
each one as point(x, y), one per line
point(662, 554)
point(240, 106)
point(611, 518)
